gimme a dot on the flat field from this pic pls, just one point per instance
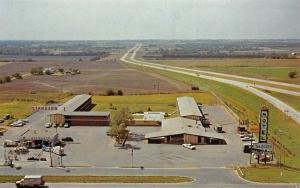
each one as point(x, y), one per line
point(272, 69)
point(96, 77)
point(156, 102)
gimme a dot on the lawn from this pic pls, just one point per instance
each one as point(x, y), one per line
point(20, 104)
point(247, 106)
point(104, 179)
point(155, 102)
point(271, 174)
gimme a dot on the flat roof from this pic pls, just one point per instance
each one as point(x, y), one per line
point(72, 104)
point(85, 113)
point(187, 106)
point(33, 176)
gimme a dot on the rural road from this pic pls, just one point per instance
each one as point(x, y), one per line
point(288, 110)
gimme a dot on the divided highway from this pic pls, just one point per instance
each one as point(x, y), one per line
point(288, 110)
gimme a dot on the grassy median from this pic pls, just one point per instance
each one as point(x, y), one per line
point(104, 179)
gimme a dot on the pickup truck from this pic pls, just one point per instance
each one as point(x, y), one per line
point(30, 181)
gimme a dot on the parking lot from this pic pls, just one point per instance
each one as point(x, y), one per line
point(93, 148)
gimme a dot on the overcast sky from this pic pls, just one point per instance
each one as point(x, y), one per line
point(148, 19)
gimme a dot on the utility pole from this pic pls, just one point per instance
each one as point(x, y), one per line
point(131, 157)
point(51, 164)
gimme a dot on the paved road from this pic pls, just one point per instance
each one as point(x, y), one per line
point(211, 73)
point(288, 110)
point(204, 177)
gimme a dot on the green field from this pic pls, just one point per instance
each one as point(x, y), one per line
point(272, 69)
point(141, 103)
point(20, 104)
point(247, 106)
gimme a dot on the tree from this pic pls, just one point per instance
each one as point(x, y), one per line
point(61, 70)
point(118, 132)
point(110, 92)
point(37, 71)
point(118, 129)
point(293, 74)
point(122, 116)
point(48, 72)
point(120, 92)
point(7, 79)
point(17, 76)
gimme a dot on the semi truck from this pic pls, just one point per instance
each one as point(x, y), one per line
point(31, 181)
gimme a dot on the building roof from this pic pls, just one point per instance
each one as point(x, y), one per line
point(41, 134)
point(72, 104)
point(187, 106)
point(33, 176)
point(86, 113)
point(179, 125)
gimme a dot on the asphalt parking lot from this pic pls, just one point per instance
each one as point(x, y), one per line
point(93, 148)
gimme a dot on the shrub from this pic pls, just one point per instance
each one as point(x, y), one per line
point(17, 76)
point(110, 92)
point(293, 74)
point(120, 92)
point(7, 79)
point(37, 71)
point(61, 70)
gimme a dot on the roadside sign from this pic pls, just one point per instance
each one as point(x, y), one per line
point(263, 125)
point(254, 128)
point(263, 147)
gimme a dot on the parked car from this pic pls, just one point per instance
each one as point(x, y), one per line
point(67, 139)
point(54, 125)
point(6, 116)
point(46, 149)
point(66, 125)
point(247, 138)
point(189, 146)
point(1, 120)
point(48, 125)
point(24, 120)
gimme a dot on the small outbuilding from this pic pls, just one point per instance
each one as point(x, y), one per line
point(39, 138)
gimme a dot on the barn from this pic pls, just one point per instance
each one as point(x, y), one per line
point(181, 130)
point(76, 112)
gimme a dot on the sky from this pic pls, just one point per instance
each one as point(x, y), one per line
point(149, 19)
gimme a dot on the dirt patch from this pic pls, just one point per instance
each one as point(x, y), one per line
point(96, 77)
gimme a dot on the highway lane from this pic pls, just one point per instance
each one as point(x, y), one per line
point(210, 73)
point(288, 110)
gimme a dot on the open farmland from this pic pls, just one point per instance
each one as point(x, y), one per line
point(271, 69)
point(96, 77)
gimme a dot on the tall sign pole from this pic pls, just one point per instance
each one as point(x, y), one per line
point(263, 125)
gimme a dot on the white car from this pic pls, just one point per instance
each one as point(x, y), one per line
point(66, 125)
point(247, 138)
point(189, 146)
point(24, 120)
point(48, 125)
